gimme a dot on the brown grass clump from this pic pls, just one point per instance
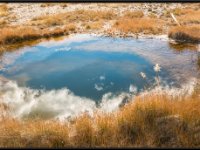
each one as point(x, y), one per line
point(53, 33)
point(133, 14)
point(152, 15)
point(12, 47)
point(189, 34)
point(104, 124)
point(3, 22)
point(72, 17)
point(17, 34)
point(48, 21)
point(47, 4)
point(179, 11)
point(35, 133)
point(85, 133)
point(10, 35)
point(184, 16)
point(70, 27)
point(190, 18)
point(152, 120)
point(3, 10)
point(143, 25)
point(94, 25)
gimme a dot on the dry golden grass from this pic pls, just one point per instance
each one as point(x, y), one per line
point(47, 4)
point(85, 133)
point(94, 25)
point(133, 14)
point(3, 22)
point(152, 15)
point(35, 133)
point(131, 21)
point(72, 17)
point(179, 11)
point(104, 124)
point(70, 27)
point(184, 16)
point(3, 10)
point(15, 34)
point(189, 16)
point(13, 47)
point(139, 25)
point(152, 120)
point(48, 21)
point(185, 33)
point(54, 25)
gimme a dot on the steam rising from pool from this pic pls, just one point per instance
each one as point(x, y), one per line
point(63, 104)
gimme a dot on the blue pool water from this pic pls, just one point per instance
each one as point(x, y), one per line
point(91, 66)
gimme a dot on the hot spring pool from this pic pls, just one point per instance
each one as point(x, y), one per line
point(91, 66)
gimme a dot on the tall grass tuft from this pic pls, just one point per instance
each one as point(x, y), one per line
point(139, 25)
point(189, 34)
point(3, 10)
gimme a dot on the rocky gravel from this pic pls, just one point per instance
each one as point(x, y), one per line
point(25, 12)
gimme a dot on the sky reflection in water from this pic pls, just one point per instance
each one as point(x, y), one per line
point(91, 66)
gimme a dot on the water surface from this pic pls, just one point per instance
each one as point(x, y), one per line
point(91, 66)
